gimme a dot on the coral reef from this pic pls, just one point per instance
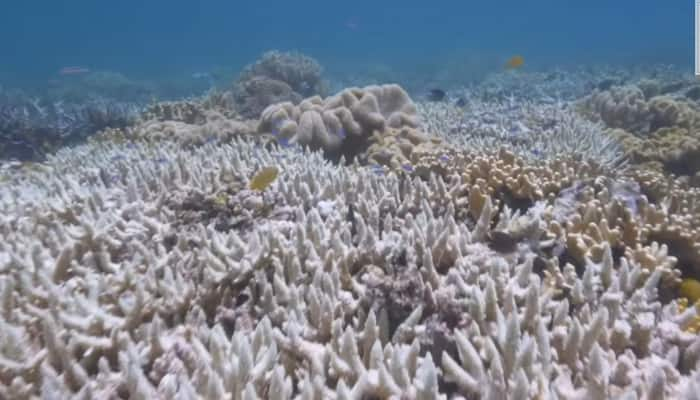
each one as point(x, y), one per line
point(537, 86)
point(377, 121)
point(657, 126)
point(621, 107)
point(256, 93)
point(531, 130)
point(137, 272)
point(214, 127)
point(31, 128)
point(192, 122)
point(680, 231)
point(106, 84)
point(674, 150)
point(631, 109)
point(192, 111)
point(375, 124)
point(277, 77)
point(502, 248)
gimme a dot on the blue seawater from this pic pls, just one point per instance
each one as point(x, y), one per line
point(151, 39)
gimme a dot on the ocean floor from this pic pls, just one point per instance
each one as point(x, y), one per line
point(535, 235)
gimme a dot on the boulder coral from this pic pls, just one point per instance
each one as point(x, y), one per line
point(622, 107)
point(343, 124)
point(660, 131)
point(674, 150)
point(276, 77)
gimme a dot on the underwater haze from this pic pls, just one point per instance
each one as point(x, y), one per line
point(147, 39)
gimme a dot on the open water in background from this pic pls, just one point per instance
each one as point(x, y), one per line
point(154, 38)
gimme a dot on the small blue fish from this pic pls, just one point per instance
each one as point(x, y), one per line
point(444, 158)
point(211, 139)
point(118, 157)
point(131, 145)
point(276, 126)
point(284, 142)
point(377, 169)
point(407, 167)
point(341, 133)
point(537, 152)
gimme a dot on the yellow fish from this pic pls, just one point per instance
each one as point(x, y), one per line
point(221, 199)
point(690, 289)
point(515, 62)
point(263, 178)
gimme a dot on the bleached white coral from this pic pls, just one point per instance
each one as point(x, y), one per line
point(117, 279)
point(533, 131)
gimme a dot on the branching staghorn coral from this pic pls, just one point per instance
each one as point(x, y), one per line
point(105, 293)
point(571, 83)
point(30, 128)
point(531, 130)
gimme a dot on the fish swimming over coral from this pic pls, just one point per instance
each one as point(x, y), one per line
point(436, 95)
point(264, 178)
point(515, 62)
